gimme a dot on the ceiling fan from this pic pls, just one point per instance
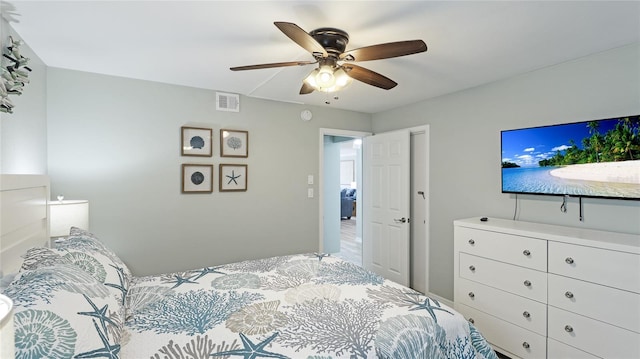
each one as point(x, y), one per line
point(336, 68)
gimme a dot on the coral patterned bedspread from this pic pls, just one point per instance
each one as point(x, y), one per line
point(301, 306)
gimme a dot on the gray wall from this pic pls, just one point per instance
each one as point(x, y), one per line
point(116, 142)
point(465, 146)
point(23, 140)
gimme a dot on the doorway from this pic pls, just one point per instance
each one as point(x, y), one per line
point(419, 199)
point(350, 178)
point(340, 174)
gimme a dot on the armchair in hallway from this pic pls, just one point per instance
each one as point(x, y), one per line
point(347, 198)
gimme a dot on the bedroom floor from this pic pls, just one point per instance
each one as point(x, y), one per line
point(350, 246)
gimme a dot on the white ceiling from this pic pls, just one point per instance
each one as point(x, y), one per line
point(193, 43)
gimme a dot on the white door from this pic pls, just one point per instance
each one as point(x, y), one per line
point(386, 209)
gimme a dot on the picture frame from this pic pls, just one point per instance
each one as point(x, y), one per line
point(347, 172)
point(234, 143)
point(233, 177)
point(197, 178)
point(196, 141)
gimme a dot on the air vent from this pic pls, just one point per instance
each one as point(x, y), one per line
point(227, 102)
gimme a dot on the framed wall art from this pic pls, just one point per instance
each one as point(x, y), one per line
point(234, 143)
point(233, 177)
point(197, 178)
point(196, 141)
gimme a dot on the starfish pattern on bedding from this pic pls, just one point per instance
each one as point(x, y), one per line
point(182, 280)
point(120, 286)
point(430, 308)
point(100, 313)
point(251, 350)
point(321, 255)
point(207, 270)
point(108, 351)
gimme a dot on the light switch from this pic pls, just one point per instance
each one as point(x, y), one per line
point(310, 192)
point(310, 179)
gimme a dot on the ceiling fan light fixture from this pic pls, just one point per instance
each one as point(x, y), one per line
point(342, 79)
point(336, 71)
point(325, 77)
point(311, 79)
point(328, 79)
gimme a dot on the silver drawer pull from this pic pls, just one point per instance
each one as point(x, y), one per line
point(526, 314)
point(568, 294)
point(526, 252)
point(471, 321)
point(527, 283)
point(472, 268)
point(526, 345)
point(569, 260)
point(472, 242)
point(568, 328)
point(471, 295)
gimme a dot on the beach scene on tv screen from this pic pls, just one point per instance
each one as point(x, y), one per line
point(593, 158)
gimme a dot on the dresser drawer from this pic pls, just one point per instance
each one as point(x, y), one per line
point(611, 268)
point(513, 279)
point(593, 336)
point(555, 349)
point(515, 309)
point(504, 335)
point(523, 251)
point(618, 307)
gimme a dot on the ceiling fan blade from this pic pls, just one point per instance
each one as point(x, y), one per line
point(275, 64)
point(385, 51)
point(369, 77)
point(301, 37)
point(306, 89)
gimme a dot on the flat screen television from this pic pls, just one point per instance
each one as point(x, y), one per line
point(599, 158)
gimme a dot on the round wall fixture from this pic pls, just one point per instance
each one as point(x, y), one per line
point(306, 115)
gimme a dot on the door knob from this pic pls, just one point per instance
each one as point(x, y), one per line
point(400, 220)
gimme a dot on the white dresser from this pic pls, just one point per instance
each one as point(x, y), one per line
point(538, 291)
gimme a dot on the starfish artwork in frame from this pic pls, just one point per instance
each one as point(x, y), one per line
point(233, 177)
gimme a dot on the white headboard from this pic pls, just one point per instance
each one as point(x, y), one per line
point(24, 219)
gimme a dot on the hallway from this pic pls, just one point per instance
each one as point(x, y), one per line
point(350, 245)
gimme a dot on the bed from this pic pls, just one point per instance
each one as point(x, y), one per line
point(79, 300)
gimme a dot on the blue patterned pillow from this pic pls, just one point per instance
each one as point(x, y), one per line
point(91, 240)
point(62, 311)
point(38, 257)
point(84, 250)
